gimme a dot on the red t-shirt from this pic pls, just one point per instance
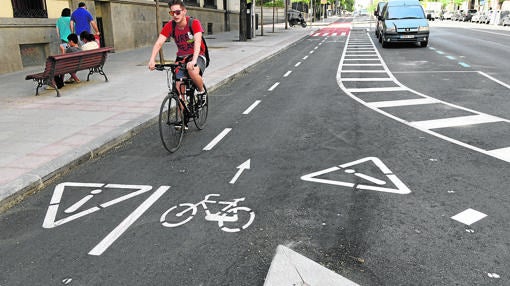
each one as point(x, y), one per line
point(184, 38)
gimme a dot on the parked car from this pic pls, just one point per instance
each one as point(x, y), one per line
point(468, 15)
point(457, 15)
point(506, 21)
point(404, 21)
point(431, 14)
point(502, 15)
point(476, 17)
point(446, 15)
point(485, 18)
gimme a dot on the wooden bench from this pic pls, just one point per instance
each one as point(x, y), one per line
point(93, 60)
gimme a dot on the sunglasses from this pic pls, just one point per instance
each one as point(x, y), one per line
point(176, 12)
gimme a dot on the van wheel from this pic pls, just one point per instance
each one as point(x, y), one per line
point(424, 44)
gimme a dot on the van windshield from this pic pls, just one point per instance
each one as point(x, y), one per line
point(405, 12)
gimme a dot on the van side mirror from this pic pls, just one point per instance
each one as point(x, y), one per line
point(429, 17)
point(375, 13)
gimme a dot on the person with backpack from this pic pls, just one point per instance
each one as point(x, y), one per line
point(191, 48)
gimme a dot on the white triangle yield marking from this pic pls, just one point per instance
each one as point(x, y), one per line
point(401, 188)
point(51, 214)
point(291, 268)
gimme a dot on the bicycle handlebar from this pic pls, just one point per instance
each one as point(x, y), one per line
point(161, 67)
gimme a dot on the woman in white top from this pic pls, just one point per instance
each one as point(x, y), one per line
point(89, 41)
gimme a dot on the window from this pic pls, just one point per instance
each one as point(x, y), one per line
point(210, 4)
point(29, 9)
point(192, 3)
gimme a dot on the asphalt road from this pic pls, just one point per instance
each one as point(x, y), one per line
point(361, 188)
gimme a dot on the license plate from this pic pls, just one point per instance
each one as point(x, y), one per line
point(407, 36)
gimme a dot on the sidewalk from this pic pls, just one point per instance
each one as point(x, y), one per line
point(42, 137)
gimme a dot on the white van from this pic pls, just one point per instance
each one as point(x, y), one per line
point(403, 21)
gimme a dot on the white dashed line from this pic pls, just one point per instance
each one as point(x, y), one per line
point(273, 86)
point(217, 139)
point(249, 109)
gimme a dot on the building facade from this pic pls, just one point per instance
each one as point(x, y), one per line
point(28, 34)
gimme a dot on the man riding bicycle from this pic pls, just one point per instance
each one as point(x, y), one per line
point(190, 47)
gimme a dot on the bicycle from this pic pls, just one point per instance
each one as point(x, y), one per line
point(176, 111)
point(228, 217)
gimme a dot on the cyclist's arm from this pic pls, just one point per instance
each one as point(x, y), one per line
point(196, 48)
point(155, 50)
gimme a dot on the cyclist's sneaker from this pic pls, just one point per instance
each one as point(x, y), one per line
point(201, 98)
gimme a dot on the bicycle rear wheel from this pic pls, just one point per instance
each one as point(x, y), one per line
point(201, 109)
point(171, 123)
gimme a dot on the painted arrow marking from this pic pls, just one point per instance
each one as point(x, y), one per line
point(242, 167)
point(291, 268)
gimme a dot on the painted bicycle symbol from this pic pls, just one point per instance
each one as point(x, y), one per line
point(230, 218)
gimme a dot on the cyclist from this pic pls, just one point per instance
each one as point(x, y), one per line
point(190, 48)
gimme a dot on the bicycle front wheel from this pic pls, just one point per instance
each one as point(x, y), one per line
point(178, 215)
point(201, 109)
point(171, 123)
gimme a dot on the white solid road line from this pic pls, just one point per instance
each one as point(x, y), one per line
point(376, 89)
point(501, 153)
point(426, 126)
point(362, 71)
point(455, 121)
point(128, 221)
point(367, 79)
point(403, 102)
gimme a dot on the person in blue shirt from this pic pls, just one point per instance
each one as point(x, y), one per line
point(81, 20)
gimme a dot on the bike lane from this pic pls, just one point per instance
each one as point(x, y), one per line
point(103, 223)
